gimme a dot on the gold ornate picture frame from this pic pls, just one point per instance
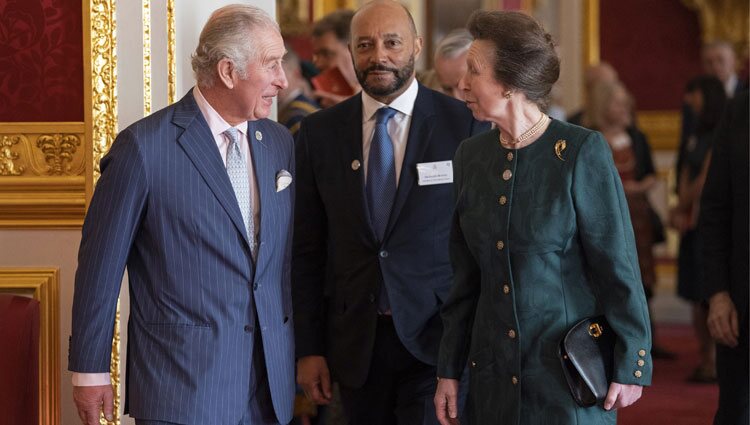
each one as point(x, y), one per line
point(42, 284)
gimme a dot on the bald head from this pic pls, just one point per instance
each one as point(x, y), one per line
point(388, 9)
point(384, 46)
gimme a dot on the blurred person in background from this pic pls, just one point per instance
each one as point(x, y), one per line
point(706, 98)
point(330, 41)
point(720, 60)
point(609, 110)
point(295, 101)
point(450, 63)
point(723, 227)
point(594, 74)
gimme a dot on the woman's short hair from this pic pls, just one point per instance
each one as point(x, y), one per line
point(229, 33)
point(525, 57)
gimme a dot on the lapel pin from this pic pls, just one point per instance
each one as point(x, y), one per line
point(258, 135)
point(356, 164)
point(560, 146)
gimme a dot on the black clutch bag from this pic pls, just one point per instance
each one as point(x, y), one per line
point(587, 356)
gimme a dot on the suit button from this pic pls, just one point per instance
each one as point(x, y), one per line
point(255, 286)
point(642, 352)
point(371, 298)
point(500, 245)
point(383, 254)
point(506, 289)
point(510, 156)
point(248, 328)
point(503, 200)
point(637, 373)
point(514, 380)
point(641, 363)
point(511, 334)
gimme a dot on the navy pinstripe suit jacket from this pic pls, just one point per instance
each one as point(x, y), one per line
point(165, 207)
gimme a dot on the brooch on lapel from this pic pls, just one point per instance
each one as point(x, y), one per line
point(283, 180)
point(560, 146)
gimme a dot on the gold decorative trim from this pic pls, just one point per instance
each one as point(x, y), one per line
point(146, 57)
point(591, 14)
point(59, 149)
point(171, 47)
point(723, 20)
point(661, 127)
point(45, 184)
point(103, 79)
point(8, 158)
point(42, 284)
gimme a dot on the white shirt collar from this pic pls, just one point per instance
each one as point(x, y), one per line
point(731, 85)
point(216, 123)
point(403, 104)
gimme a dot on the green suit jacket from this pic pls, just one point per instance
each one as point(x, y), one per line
point(541, 239)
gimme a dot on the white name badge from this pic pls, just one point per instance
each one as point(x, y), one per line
point(440, 172)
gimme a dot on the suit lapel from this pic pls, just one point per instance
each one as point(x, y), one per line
point(420, 131)
point(351, 149)
point(200, 146)
point(265, 179)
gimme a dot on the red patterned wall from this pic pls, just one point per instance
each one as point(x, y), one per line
point(41, 60)
point(655, 47)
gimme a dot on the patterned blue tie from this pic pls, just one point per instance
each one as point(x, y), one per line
point(381, 173)
point(238, 176)
point(381, 185)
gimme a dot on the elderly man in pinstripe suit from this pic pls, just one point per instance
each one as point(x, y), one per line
point(196, 200)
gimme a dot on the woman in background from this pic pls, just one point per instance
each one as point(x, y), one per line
point(706, 98)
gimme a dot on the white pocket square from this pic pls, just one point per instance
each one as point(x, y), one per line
point(283, 180)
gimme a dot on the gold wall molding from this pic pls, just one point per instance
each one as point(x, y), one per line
point(43, 169)
point(42, 284)
point(171, 58)
point(591, 43)
point(661, 127)
point(146, 24)
point(9, 160)
point(723, 20)
point(59, 151)
point(103, 36)
point(103, 79)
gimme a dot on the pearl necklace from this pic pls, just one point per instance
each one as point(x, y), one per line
point(528, 134)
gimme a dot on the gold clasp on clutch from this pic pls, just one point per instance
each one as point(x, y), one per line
point(595, 330)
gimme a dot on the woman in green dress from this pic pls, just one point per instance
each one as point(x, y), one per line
point(541, 239)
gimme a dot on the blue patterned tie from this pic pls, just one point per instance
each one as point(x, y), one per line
point(381, 173)
point(381, 184)
point(238, 176)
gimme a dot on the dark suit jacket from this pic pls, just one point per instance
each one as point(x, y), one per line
point(165, 207)
point(724, 209)
point(338, 266)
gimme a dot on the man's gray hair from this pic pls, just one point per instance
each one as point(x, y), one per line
point(229, 33)
point(454, 44)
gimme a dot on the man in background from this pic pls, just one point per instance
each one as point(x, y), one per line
point(330, 38)
point(450, 64)
point(295, 101)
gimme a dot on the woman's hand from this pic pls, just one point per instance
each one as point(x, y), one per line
point(621, 395)
point(446, 401)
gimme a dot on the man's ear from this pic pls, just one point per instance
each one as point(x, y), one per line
point(417, 46)
point(226, 73)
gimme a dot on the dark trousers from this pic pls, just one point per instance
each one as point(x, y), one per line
point(399, 388)
point(260, 406)
point(732, 371)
